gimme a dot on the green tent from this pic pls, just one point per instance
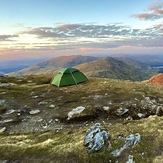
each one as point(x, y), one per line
point(68, 76)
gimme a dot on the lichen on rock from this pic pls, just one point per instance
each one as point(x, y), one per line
point(130, 141)
point(95, 138)
point(77, 110)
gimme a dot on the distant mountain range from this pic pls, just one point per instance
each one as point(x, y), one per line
point(9, 66)
point(51, 66)
point(107, 67)
point(149, 59)
point(18, 64)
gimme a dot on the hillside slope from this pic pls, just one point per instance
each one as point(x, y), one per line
point(52, 65)
point(115, 68)
point(123, 69)
point(37, 124)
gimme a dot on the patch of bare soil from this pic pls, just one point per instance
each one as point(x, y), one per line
point(156, 79)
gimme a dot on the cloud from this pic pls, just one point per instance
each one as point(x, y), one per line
point(111, 35)
point(155, 12)
point(158, 27)
point(80, 31)
point(7, 37)
point(67, 38)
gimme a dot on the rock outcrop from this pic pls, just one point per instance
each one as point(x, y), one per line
point(96, 138)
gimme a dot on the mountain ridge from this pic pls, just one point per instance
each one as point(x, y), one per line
point(53, 65)
point(109, 67)
point(106, 67)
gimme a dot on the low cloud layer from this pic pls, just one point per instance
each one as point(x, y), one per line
point(91, 31)
point(79, 30)
point(110, 35)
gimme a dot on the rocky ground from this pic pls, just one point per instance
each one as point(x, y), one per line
point(30, 105)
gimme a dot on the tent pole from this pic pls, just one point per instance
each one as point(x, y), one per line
point(74, 78)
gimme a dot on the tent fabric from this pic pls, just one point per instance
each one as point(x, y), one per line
point(68, 76)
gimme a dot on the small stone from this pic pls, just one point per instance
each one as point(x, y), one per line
point(51, 121)
point(29, 81)
point(10, 111)
point(119, 136)
point(77, 110)
point(40, 120)
point(4, 161)
point(3, 93)
point(130, 159)
point(121, 111)
point(4, 84)
point(34, 96)
point(8, 121)
point(153, 107)
point(106, 108)
point(56, 120)
point(97, 96)
point(147, 98)
point(140, 115)
point(159, 110)
point(129, 118)
point(52, 106)
point(2, 129)
point(43, 103)
point(32, 112)
point(2, 102)
point(45, 126)
point(58, 129)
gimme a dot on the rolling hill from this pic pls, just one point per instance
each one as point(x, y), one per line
point(108, 67)
point(123, 69)
point(52, 65)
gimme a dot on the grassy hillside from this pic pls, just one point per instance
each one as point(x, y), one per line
point(121, 68)
point(115, 68)
point(53, 65)
point(34, 125)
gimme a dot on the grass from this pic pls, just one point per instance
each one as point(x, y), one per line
point(94, 85)
point(68, 144)
point(116, 91)
point(23, 92)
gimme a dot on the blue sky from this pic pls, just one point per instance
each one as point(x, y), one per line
point(49, 28)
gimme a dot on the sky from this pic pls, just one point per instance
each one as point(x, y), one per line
point(50, 28)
